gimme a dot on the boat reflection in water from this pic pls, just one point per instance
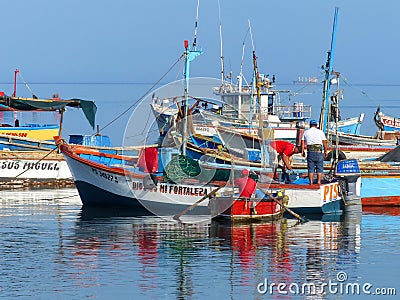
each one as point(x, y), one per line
point(382, 210)
point(161, 258)
point(76, 252)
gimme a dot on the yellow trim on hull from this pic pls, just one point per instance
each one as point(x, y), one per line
point(36, 134)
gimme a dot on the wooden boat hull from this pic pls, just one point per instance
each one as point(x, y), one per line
point(389, 123)
point(103, 184)
point(13, 143)
point(315, 199)
point(349, 125)
point(244, 209)
point(33, 165)
point(380, 183)
point(363, 140)
point(41, 133)
point(380, 190)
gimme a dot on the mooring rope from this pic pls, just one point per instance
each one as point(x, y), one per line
point(37, 162)
point(26, 84)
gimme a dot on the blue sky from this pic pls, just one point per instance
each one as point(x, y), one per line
point(137, 41)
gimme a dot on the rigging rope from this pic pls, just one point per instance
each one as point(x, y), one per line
point(26, 84)
point(361, 91)
point(37, 161)
point(141, 98)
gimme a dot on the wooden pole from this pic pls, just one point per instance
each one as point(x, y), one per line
point(61, 121)
point(177, 216)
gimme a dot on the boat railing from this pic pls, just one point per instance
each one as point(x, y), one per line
point(297, 111)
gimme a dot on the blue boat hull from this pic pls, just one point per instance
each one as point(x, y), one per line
point(333, 207)
point(380, 191)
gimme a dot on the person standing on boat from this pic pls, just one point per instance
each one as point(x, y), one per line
point(314, 141)
point(279, 155)
point(247, 185)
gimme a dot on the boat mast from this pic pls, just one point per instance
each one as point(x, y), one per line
point(323, 119)
point(261, 131)
point(189, 56)
point(220, 42)
point(15, 82)
point(61, 111)
point(253, 81)
point(335, 100)
point(240, 87)
point(257, 84)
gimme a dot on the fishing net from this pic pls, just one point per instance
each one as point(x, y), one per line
point(181, 167)
point(391, 156)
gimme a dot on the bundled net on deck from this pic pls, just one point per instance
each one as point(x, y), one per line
point(181, 167)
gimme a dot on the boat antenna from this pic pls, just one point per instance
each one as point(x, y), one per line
point(196, 25)
point(220, 41)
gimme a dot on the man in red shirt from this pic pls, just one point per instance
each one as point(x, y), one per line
point(281, 151)
point(247, 185)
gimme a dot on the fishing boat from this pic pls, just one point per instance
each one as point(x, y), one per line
point(27, 151)
point(118, 180)
point(115, 180)
point(386, 136)
point(380, 180)
point(237, 209)
point(306, 80)
point(27, 162)
point(359, 140)
point(38, 132)
point(386, 123)
point(33, 131)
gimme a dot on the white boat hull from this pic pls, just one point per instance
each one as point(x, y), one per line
point(100, 187)
point(47, 169)
point(324, 199)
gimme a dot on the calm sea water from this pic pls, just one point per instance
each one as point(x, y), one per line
point(52, 248)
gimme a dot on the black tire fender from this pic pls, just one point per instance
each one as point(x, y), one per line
point(332, 153)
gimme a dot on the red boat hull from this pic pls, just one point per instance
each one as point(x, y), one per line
point(243, 209)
